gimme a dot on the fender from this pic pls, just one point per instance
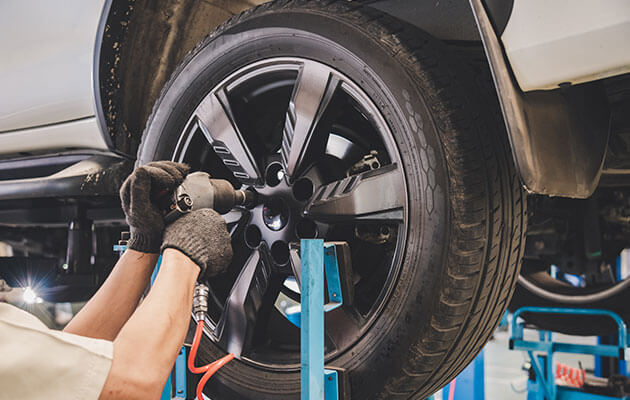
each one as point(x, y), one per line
point(558, 137)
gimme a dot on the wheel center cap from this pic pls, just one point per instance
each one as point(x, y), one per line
point(276, 213)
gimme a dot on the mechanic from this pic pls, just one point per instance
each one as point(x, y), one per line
point(113, 348)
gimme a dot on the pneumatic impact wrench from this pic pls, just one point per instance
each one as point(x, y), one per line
point(200, 191)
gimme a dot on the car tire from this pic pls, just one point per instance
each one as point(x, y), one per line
point(465, 208)
point(539, 289)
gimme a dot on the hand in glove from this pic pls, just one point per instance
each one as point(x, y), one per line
point(137, 194)
point(202, 235)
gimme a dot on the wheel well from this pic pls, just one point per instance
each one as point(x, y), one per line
point(141, 43)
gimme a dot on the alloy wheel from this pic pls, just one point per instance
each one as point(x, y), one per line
point(324, 163)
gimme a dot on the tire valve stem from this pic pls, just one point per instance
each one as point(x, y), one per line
point(200, 309)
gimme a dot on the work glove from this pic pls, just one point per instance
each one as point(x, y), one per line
point(202, 235)
point(138, 195)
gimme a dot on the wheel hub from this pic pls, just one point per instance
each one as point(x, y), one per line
point(277, 220)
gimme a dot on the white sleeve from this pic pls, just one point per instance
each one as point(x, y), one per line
point(40, 363)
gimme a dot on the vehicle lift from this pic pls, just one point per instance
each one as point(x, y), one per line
point(319, 261)
point(542, 383)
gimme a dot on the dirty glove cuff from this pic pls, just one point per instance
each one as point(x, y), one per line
point(137, 199)
point(145, 242)
point(201, 235)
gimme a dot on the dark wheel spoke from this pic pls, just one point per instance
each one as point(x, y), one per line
point(236, 326)
point(340, 324)
point(235, 219)
point(216, 121)
point(268, 305)
point(295, 261)
point(376, 195)
point(312, 93)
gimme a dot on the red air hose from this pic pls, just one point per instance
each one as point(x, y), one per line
point(207, 370)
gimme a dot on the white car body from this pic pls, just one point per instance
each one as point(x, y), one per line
point(549, 43)
point(47, 83)
point(47, 100)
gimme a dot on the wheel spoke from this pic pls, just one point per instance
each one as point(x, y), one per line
point(267, 308)
point(342, 326)
point(376, 195)
point(217, 123)
point(235, 328)
point(295, 261)
point(234, 219)
point(312, 93)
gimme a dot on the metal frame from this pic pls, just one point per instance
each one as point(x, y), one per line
point(176, 381)
point(545, 386)
point(317, 383)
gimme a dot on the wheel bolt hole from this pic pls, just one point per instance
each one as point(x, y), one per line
point(303, 189)
point(252, 236)
point(274, 174)
point(280, 252)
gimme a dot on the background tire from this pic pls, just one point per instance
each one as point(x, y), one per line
point(466, 210)
point(540, 289)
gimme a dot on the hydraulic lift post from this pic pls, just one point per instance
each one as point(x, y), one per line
point(541, 353)
point(319, 264)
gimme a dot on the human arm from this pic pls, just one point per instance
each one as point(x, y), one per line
point(147, 346)
point(108, 310)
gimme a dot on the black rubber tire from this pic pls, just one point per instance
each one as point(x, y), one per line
point(467, 212)
point(569, 324)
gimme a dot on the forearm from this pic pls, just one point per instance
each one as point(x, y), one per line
point(112, 305)
point(147, 346)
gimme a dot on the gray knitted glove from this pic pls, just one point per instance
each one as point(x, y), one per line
point(137, 193)
point(202, 235)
